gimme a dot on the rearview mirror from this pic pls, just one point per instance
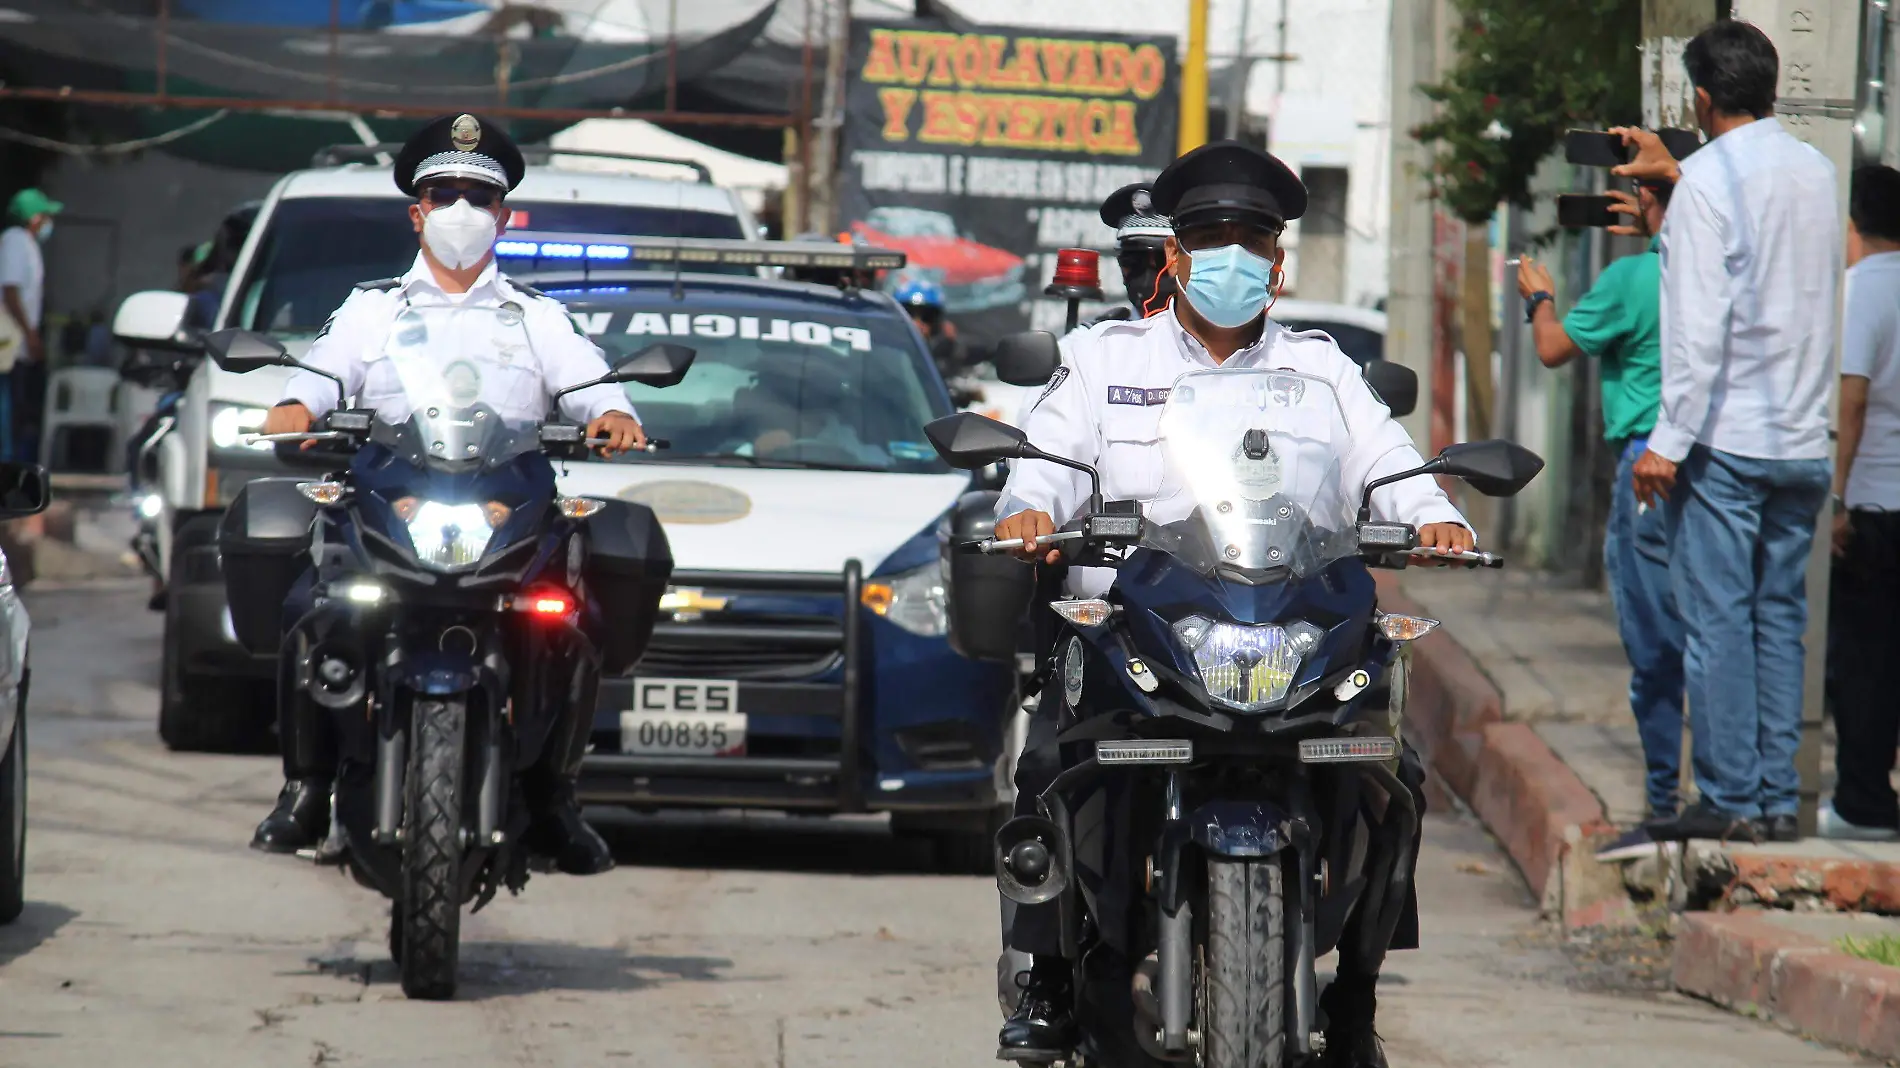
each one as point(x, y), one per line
point(1494, 468)
point(970, 441)
point(155, 319)
point(241, 351)
point(1027, 359)
point(23, 490)
point(658, 365)
point(1395, 384)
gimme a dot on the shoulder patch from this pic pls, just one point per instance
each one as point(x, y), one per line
point(527, 290)
point(383, 284)
point(1055, 383)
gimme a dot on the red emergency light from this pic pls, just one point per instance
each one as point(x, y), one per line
point(1080, 268)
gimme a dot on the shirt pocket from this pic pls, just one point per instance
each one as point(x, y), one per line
point(1131, 466)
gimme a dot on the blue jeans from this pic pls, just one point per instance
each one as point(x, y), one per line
point(1636, 559)
point(1740, 530)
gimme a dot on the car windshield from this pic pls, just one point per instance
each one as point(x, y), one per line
point(1257, 452)
point(815, 387)
point(1357, 342)
point(911, 222)
point(447, 378)
point(314, 249)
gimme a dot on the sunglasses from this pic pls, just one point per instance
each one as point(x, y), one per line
point(442, 196)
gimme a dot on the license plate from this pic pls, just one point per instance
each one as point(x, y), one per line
point(683, 717)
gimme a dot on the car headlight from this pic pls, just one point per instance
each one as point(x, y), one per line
point(447, 535)
point(230, 422)
point(916, 600)
point(1246, 666)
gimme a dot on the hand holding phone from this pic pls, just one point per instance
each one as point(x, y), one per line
point(1576, 210)
point(1594, 148)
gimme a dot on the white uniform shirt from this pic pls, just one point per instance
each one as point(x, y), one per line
point(354, 341)
point(1751, 249)
point(22, 267)
point(1139, 361)
point(1871, 349)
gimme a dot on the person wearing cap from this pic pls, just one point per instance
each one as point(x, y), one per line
point(22, 289)
point(923, 301)
point(459, 169)
point(1227, 203)
point(1141, 240)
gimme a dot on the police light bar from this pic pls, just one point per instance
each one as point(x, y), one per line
point(607, 249)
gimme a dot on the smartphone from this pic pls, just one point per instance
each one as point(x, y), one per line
point(1680, 143)
point(1576, 210)
point(1594, 148)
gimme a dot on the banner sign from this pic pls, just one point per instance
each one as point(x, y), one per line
point(981, 153)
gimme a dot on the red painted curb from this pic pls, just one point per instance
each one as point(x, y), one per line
point(1746, 963)
point(1538, 808)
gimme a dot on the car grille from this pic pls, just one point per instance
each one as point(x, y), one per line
point(702, 651)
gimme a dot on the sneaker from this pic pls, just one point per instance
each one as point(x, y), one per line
point(1630, 845)
point(1703, 820)
point(1782, 827)
point(1831, 824)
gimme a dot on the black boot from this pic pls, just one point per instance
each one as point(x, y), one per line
point(1042, 1029)
point(1350, 1005)
point(555, 826)
point(300, 820)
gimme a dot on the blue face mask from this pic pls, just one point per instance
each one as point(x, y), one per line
point(1228, 285)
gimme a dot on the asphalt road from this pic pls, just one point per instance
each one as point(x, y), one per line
point(153, 936)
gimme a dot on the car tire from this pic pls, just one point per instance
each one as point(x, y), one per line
point(202, 713)
point(13, 822)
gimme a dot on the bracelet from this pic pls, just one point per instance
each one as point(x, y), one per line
point(1531, 302)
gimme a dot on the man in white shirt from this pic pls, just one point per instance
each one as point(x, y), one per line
point(22, 288)
point(1751, 249)
point(460, 170)
point(1228, 204)
point(1864, 605)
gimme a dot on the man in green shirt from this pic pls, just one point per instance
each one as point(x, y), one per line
point(1618, 323)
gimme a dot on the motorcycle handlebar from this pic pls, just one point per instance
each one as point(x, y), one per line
point(652, 445)
point(1468, 558)
point(991, 545)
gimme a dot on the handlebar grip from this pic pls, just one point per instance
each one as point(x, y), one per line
point(652, 445)
point(991, 545)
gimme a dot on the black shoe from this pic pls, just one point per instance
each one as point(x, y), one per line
point(557, 830)
point(300, 820)
point(1351, 1042)
point(1782, 828)
point(1703, 820)
point(1042, 1029)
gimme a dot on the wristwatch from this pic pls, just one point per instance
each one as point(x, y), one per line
point(1531, 302)
point(1840, 502)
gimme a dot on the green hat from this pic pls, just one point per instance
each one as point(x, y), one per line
point(30, 202)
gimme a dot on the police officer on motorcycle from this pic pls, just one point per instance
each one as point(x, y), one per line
point(459, 169)
point(1228, 204)
point(1141, 239)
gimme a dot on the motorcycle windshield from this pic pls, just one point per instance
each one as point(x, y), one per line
point(451, 387)
point(1254, 457)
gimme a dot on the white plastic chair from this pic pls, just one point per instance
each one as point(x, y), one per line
point(80, 398)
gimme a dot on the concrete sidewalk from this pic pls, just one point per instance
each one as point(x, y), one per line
point(1561, 765)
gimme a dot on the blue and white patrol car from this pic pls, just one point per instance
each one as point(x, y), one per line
point(801, 661)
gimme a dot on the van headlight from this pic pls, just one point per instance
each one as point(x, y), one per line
point(915, 600)
point(1247, 666)
point(447, 535)
point(230, 422)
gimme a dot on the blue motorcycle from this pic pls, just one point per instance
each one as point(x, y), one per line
point(1232, 805)
point(449, 609)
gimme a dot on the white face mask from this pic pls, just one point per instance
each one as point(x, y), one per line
point(46, 231)
point(459, 235)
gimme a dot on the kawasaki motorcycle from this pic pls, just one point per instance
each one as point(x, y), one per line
point(1230, 723)
point(450, 612)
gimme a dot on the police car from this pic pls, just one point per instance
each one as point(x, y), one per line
point(801, 661)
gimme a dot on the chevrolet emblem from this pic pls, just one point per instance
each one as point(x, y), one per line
point(687, 605)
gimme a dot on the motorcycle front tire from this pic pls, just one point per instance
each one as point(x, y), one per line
point(1245, 966)
point(430, 923)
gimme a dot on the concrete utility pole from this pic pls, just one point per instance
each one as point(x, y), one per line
point(1819, 44)
point(1237, 78)
point(1193, 127)
point(823, 208)
point(1413, 41)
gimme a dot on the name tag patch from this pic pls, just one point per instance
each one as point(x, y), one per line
point(1137, 396)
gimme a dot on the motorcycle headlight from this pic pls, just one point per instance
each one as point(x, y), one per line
point(1246, 666)
point(447, 535)
point(230, 422)
point(914, 600)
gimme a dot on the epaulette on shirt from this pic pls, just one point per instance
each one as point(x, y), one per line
point(525, 289)
point(383, 284)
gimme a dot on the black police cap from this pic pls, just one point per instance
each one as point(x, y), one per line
point(1229, 181)
point(1131, 211)
point(459, 146)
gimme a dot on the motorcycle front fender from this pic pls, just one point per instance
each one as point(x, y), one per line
point(1240, 828)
